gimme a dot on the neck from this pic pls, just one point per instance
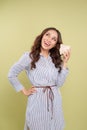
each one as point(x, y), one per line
point(44, 52)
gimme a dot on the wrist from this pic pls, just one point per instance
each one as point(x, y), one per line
point(24, 91)
point(65, 65)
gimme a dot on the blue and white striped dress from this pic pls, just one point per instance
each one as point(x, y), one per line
point(45, 74)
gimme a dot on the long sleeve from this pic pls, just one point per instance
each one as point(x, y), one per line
point(22, 64)
point(62, 77)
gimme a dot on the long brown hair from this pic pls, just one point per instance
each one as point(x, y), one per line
point(54, 52)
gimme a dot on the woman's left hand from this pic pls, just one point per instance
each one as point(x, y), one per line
point(66, 56)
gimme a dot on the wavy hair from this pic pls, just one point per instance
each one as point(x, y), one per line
point(54, 52)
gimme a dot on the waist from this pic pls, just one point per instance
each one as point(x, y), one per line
point(47, 86)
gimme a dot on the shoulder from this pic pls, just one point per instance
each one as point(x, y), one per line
point(26, 53)
point(25, 57)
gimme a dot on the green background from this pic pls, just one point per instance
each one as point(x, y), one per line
point(20, 22)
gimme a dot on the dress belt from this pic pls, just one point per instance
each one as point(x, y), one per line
point(50, 95)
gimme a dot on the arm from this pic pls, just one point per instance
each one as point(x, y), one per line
point(21, 65)
point(14, 71)
point(62, 76)
point(64, 72)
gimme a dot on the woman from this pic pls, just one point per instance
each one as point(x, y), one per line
point(47, 72)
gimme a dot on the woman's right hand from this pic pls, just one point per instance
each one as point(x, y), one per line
point(28, 92)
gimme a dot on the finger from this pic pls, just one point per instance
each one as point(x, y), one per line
point(33, 90)
point(33, 87)
point(67, 53)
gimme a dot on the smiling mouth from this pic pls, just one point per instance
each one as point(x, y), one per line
point(46, 43)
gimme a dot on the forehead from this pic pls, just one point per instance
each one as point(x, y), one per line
point(52, 32)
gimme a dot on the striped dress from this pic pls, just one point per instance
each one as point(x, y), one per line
point(44, 107)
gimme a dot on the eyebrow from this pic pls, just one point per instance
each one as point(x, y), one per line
point(55, 37)
point(49, 33)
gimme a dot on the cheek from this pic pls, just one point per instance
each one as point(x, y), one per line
point(53, 44)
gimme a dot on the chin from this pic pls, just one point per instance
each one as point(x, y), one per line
point(45, 48)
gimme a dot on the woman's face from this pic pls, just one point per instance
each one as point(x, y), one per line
point(49, 39)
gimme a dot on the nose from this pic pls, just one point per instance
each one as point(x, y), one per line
point(49, 39)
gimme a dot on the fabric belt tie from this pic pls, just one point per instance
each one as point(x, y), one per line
point(50, 96)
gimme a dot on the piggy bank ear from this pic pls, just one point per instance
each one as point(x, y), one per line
point(64, 48)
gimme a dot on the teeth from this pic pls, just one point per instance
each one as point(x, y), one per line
point(47, 43)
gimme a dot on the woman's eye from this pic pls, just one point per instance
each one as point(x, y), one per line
point(54, 39)
point(47, 34)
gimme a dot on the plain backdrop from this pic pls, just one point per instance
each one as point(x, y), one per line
point(20, 22)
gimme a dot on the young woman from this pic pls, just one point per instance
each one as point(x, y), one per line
point(47, 72)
